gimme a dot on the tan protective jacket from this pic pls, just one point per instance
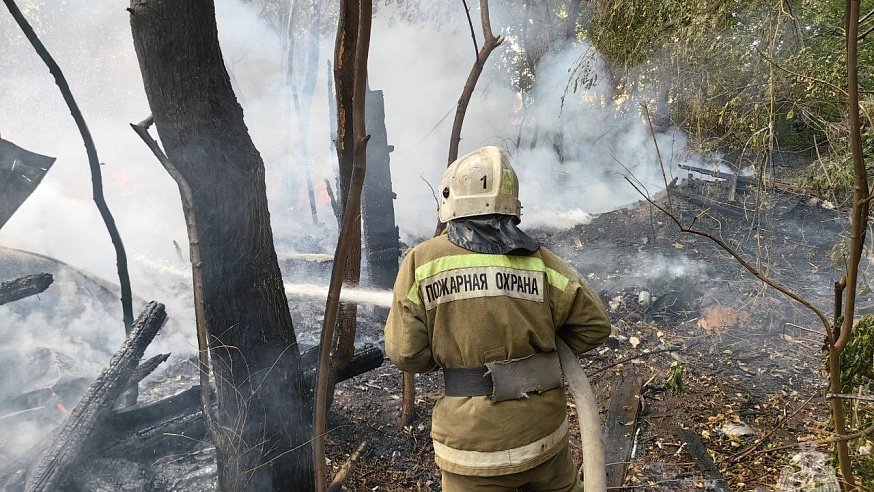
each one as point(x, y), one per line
point(458, 309)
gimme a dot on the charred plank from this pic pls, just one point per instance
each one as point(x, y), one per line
point(620, 427)
point(698, 452)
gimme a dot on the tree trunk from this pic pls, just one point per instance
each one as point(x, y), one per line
point(345, 50)
point(262, 424)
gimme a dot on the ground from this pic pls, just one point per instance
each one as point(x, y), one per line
point(719, 355)
point(752, 384)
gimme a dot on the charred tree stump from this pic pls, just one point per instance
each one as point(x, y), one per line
point(377, 201)
point(22, 287)
point(68, 447)
point(21, 172)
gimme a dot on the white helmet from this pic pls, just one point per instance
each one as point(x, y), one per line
point(479, 183)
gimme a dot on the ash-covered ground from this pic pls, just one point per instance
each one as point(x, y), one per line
point(750, 357)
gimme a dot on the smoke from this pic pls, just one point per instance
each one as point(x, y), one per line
point(588, 142)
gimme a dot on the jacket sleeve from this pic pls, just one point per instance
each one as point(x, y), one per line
point(587, 324)
point(578, 313)
point(407, 339)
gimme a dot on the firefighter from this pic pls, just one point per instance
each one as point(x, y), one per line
point(483, 302)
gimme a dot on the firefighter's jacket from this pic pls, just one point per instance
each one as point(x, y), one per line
point(458, 309)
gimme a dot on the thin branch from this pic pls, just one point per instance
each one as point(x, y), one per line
point(633, 357)
point(489, 44)
point(658, 155)
point(142, 129)
point(351, 214)
point(93, 161)
point(776, 285)
point(343, 472)
point(849, 397)
point(760, 440)
point(831, 86)
point(844, 438)
point(866, 17)
point(865, 34)
point(472, 33)
point(484, 18)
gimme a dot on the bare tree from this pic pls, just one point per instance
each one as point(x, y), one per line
point(262, 425)
point(350, 230)
point(93, 162)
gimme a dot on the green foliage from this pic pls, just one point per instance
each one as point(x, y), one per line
point(734, 72)
point(674, 381)
point(857, 359)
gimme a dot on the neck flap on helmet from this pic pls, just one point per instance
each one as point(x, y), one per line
point(491, 234)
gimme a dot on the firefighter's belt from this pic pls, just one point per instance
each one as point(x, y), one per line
point(507, 379)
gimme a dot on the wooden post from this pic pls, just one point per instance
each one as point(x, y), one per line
point(381, 239)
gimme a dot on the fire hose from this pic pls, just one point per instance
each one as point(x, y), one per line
point(592, 444)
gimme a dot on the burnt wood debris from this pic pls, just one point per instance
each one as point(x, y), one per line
point(96, 427)
point(19, 288)
point(48, 467)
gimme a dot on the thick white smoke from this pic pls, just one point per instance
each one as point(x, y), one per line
point(420, 66)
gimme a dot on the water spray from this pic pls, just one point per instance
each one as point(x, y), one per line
point(349, 293)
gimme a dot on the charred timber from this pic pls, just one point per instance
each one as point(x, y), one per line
point(705, 202)
point(701, 455)
point(620, 427)
point(20, 288)
point(175, 424)
point(381, 238)
point(147, 368)
point(72, 439)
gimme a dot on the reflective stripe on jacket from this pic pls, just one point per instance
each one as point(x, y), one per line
point(454, 308)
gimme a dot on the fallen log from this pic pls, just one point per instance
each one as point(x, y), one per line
point(67, 448)
point(175, 424)
point(22, 287)
point(139, 438)
point(21, 171)
point(620, 427)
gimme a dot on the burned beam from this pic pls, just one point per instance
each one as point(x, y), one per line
point(381, 239)
point(21, 171)
point(22, 287)
point(620, 427)
point(67, 448)
point(698, 452)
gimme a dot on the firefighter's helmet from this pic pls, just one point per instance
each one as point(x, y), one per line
point(479, 183)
